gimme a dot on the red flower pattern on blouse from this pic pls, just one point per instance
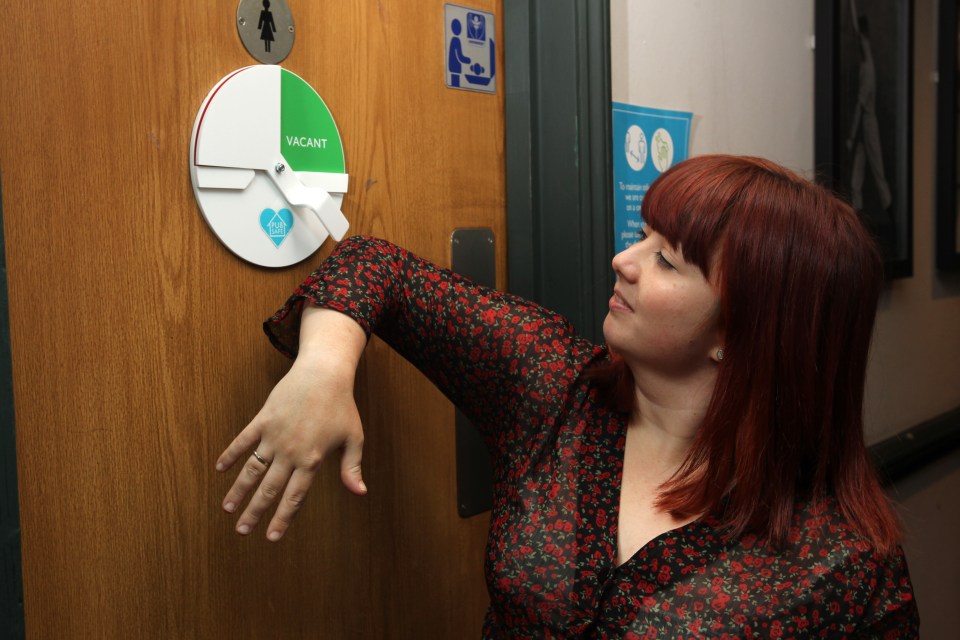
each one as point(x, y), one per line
point(516, 370)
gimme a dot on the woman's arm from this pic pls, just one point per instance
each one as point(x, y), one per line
point(502, 360)
point(496, 356)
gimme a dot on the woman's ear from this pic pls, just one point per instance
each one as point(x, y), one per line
point(716, 351)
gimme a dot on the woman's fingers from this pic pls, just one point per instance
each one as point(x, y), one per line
point(350, 473)
point(240, 446)
point(289, 507)
point(269, 489)
point(252, 473)
point(265, 481)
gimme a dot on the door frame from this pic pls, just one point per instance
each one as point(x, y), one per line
point(558, 156)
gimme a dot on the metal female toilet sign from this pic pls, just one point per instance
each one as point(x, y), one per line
point(266, 29)
point(267, 166)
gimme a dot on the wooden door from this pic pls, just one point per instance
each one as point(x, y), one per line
point(137, 347)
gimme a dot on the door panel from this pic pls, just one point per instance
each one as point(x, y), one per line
point(136, 339)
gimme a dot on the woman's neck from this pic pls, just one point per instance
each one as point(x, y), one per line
point(668, 413)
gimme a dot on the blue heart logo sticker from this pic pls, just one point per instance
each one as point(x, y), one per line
point(276, 224)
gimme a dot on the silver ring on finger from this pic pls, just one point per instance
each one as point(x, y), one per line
point(261, 459)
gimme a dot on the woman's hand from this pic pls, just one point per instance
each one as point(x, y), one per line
point(310, 414)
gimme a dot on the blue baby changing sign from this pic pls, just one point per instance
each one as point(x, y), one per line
point(471, 52)
point(646, 142)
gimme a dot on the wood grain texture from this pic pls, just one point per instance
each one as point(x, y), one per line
point(137, 347)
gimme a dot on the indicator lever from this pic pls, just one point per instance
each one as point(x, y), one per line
point(326, 218)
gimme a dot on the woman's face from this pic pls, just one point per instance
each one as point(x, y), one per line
point(664, 315)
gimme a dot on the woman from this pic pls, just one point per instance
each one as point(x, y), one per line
point(704, 473)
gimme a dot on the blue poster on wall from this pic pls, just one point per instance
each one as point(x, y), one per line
point(646, 142)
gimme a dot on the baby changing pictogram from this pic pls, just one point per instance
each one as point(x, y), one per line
point(470, 49)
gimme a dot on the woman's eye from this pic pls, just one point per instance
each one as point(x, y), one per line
point(663, 261)
point(642, 235)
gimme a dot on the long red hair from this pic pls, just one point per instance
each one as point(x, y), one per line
point(799, 280)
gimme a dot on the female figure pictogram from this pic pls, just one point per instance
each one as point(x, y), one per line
point(266, 25)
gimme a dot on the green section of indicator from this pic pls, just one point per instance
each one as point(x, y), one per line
point(309, 139)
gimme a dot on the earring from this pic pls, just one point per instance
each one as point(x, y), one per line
point(719, 354)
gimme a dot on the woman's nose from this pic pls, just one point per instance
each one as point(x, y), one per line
point(624, 265)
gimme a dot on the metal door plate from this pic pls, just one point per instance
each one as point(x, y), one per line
point(266, 29)
point(473, 256)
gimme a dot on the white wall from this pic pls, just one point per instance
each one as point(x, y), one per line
point(743, 67)
point(745, 70)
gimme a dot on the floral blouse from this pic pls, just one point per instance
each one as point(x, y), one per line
point(551, 568)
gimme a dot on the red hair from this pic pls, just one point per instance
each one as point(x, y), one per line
point(799, 279)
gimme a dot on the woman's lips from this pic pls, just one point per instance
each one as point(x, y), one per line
point(618, 302)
